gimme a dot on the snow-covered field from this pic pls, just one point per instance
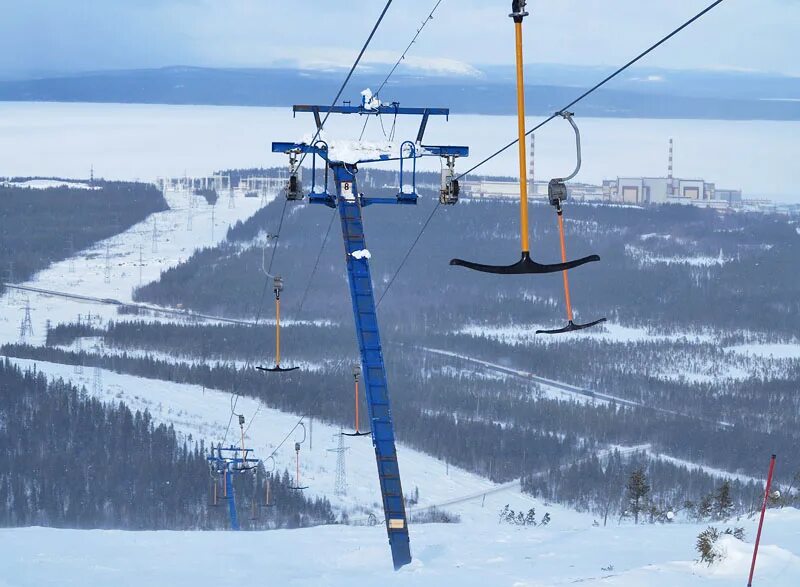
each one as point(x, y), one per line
point(481, 553)
point(477, 551)
point(514, 334)
point(127, 141)
point(85, 272)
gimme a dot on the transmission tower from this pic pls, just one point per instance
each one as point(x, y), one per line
point(189, 214)
point(231, 200)
point(155, 235)
point(141, 264)
point(26, 325)
point(107, 278)
point(97, 374)
point(213, 209)
point(71, 253)
point(340, 485)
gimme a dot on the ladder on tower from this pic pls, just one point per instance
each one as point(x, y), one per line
point(349, 202)
point(372, 366)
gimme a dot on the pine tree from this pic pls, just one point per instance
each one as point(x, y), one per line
point(706, 545)
point(723, 502)
point(638, 488)
point(705, 507)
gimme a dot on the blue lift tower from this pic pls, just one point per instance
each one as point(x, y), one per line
point(223, 463)
point(349, 201)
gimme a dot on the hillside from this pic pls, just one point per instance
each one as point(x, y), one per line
point(702, 95)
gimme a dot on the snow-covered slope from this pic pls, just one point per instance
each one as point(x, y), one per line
point(205, 413)
point(478, 553)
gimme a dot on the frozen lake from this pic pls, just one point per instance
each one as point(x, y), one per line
point(127, 141)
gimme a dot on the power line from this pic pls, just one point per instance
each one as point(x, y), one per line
point(433, 212)
point(268, 274)
point(413, 40)
point(567, 107)
point(349, 75)
point(600, 84)
point(316, 264)
point(314, 140)
point(408, 254)
point(399, 60)
point(277, 236)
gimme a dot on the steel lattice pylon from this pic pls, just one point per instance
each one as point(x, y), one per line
point(340, 485)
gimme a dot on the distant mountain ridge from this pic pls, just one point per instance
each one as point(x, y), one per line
point(642, 94)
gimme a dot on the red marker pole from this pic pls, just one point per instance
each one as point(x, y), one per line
point(761, 522)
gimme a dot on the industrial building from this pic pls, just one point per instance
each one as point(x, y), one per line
point(622, 190)
point(669, 189)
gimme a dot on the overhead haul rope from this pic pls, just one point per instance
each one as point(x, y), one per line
point(347, 79)
point(316, 263)
point(400, 60)
point(599, 84)
point(552, 117)
point(314, 140)
point(235, 392)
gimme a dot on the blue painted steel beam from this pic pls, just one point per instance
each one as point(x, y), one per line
point(443, 150)
point(231, 501)
point(372, 365)
point(382, 109)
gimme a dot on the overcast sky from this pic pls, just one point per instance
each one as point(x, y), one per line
point(43, 36)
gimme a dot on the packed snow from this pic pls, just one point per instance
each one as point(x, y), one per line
point(361, 254)
point(477, 551)
point(482, 553)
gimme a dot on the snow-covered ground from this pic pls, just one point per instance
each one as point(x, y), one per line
point(479, 553)
point(205, 413)
point(128, 141)
point(645, 257)
point(766, 350)
point(515, 334)
point(43, 184)
point(84, 273)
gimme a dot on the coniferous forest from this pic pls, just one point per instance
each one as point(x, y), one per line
point(70, 461)
point(42, 226)
point(692, 285)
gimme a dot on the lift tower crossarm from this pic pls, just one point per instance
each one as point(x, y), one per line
point(382, 109)
point(393, 109)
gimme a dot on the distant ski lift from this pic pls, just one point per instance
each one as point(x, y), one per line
point(297, 485)
point(357, 431)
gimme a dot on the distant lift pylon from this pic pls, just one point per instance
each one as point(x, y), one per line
point(356, 432)
point(349, 202)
